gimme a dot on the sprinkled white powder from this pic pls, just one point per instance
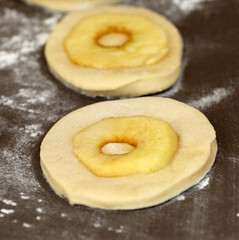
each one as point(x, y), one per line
point(203, 183)
point(8, 58)
point(209, 100)
point(9, 202)
point(187, 6)
point(25, 197)
point(237, 214)
point(14, 221)
point(63, 215)
point(120, 229)
point(180, 198)
point(39, 200)
point(38, 218)
point(39, 210)
point(97, 225)
point(26, 225)
point(7, 211)
point(1, 215)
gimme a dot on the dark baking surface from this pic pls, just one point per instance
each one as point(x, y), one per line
point(32, 100)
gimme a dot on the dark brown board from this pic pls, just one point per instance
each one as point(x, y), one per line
point(32, 100)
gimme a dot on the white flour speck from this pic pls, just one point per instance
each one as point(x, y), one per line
point(97, 225)
point(39, 200)
point(8, 58)
point(9, 202)
point(63, 215)
point(1, 215)
point(187, 6)
point(39, 210)
point(203, 183)
point(26, 225)
point(209, 100)
point(25, 197)
point(237, 214)
point(180, 198)
point(7, 211)
point(120, 229)
point(38, 218)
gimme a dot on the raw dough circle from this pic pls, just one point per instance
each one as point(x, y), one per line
point(193, 159)
point(123, 82)
point(69, 5)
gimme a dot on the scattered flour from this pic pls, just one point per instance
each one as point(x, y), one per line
point(39, 210)
point(237, 214)
point(20, 45)
point(23, 196)
point(9, 202)
point(120, 229)
point(26, 225)
point(203, 183)
point(38, 218)
point(63, 215)
point(180, 198)
point(97, 225)
point(1, 215)
point(40, 200)
point(215, 97)
point(187, 6)
point(7, 211)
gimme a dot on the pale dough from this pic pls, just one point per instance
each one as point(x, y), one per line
point(70, 178)
point(69, 5)
point(125, 82)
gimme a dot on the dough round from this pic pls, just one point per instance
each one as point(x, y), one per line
point(192, 160)
point(121, 82)
point(69, 5)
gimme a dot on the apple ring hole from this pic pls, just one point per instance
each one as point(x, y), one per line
point(113, 37)
point(117, 148)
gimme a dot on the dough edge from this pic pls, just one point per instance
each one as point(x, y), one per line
point(69, 5)
point(157, 197)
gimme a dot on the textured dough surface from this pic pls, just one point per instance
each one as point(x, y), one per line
point(125, 82)
point(69, 5)
point(193, 159)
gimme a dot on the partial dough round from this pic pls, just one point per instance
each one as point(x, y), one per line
point(70, 178)
point(123, 82)
point(69, 5)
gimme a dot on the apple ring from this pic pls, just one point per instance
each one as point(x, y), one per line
point(69, 177)
point(154, 140)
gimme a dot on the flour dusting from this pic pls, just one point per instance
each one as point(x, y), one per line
point(203, 183)
point(26, 225)
point(180, 198)
point(7, 211)
point(209, 100)
point(237, 214)
point(187, 6)
point(39, 210)
point(97, 224)
point(9, 202)
point(30, 98)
